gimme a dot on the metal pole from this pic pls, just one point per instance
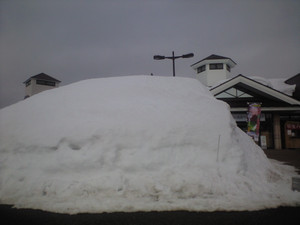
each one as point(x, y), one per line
point(218, 148)
point(173, 58)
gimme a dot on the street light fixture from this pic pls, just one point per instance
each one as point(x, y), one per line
point(173, 57)
point(158, 57)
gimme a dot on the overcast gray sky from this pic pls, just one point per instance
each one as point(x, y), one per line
point(73, 40)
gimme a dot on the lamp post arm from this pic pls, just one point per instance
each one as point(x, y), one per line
point(173, 57)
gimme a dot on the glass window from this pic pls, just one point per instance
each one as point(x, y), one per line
point(216, 66)
point(228, 67)
point(28, 83)
point(45, 82)
point(201, 69)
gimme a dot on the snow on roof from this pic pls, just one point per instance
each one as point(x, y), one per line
point(277, 84)
point(136, 143)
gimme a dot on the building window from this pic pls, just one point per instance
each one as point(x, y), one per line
point(201, 69)
point(228, 67)
point(28, 83)
point(45, 82)
point(216, 66)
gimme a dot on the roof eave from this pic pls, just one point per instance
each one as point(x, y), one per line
point(242, 79)
point(266, 109)
point(31, 78)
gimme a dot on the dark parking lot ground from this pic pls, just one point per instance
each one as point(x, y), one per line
point(281, 215)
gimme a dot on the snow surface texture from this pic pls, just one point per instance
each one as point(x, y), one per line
point(136, 143)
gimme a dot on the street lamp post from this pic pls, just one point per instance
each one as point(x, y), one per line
point(173, 57)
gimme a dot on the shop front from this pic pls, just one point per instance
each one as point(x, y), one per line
point(279, 123)
point(288, 134)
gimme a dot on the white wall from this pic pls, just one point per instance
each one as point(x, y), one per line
point(34, 88)
point(211, 77)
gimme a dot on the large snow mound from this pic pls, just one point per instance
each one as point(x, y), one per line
point(130, 144)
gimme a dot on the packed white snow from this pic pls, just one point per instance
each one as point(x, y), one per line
point(135, 143)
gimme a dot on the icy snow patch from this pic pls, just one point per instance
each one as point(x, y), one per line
point(136, 143)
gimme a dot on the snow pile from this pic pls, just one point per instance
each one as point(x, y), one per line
point(130, 144)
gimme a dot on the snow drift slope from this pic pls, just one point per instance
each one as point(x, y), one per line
point(133, 143)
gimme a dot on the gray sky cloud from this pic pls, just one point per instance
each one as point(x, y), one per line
point(75, 40)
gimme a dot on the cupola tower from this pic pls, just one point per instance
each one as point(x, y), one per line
point(213, 69)
point(39, 83)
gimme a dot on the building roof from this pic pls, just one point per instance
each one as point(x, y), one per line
point(274, 99)
point(214, 57)
point(43, 76)
point(294, 80)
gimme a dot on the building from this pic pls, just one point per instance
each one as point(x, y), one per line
point(280, 118)
point(38, 83)
point(296, 81)
point(213, 69)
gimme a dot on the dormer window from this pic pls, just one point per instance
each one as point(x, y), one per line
point(216, 66)
point(201, 69)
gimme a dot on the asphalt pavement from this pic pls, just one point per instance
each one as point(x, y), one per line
point(281, 215)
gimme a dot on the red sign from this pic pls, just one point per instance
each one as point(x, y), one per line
point(293, 126)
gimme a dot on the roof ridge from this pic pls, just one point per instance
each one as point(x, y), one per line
point(43, 76)
point(213, 57)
